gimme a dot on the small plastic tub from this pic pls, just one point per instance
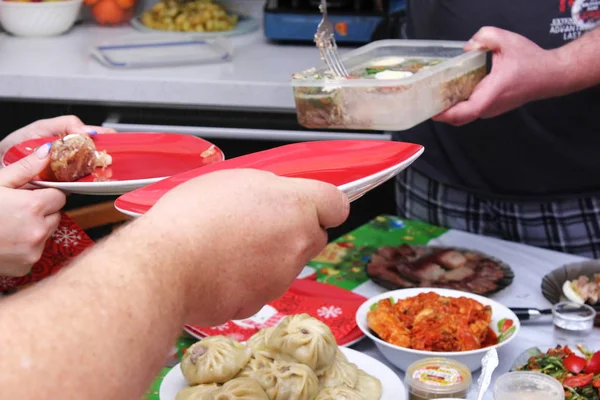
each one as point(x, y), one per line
point(525, 385)
point(572, 321)
point(394, 85)
point(437, 378)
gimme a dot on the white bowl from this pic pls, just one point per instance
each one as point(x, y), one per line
point(39, 19)
point(402, 357)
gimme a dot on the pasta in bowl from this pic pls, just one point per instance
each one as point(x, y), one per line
point(296, 360)
point(468, 323)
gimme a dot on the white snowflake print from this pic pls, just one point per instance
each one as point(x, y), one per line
point(67, 237)
point(7, 282)
point(329, 312)
point(237, 336)
point(222, 328)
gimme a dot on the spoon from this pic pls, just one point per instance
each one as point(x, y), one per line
point(488, 365)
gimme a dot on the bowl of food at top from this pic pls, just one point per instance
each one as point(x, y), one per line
point(38, 18)
point(410, 324)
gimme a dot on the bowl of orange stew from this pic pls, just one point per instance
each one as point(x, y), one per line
point(407, 325)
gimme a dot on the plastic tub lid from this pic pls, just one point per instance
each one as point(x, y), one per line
point(438, 376)
point(519, 384)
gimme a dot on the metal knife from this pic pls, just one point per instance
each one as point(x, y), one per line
point(530, 314)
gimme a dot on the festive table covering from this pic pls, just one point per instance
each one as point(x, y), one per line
point(342, 264)
point(67, 242)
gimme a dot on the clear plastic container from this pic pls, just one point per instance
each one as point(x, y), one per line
point(437, 378)
point(528, 386)
point(388, 103)
point(573, 322)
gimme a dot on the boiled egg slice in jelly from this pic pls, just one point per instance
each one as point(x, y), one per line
point(392, 74)
point(571, 293)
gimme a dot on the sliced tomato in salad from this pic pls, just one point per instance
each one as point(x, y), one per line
point(506, 324)
point(596, 383)
point(575, 364)
point(578, 380)
point(593, 366)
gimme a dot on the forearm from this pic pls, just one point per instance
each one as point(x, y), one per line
point(576, 65)
point(99, 330)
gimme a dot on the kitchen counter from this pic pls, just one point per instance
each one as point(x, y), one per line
point(242, 106)
point(60, 69)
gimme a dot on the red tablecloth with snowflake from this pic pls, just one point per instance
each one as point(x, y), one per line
point(67, 242)
point(335, 307)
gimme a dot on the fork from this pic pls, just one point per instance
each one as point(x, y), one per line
point(326, 44)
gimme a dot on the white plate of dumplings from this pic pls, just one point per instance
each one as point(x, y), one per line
point(296, 360)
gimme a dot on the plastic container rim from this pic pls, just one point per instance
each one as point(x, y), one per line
point(341, 82)
point(557, 314)
point(500, 382)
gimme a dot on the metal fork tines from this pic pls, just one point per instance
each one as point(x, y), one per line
point(325, 40)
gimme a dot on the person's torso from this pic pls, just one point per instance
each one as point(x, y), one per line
point(545, 148)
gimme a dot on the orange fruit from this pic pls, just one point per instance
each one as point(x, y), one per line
point(125, 4)
point(90, 2)
point(107, 12)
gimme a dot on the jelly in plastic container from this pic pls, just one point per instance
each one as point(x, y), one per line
point(393, 85)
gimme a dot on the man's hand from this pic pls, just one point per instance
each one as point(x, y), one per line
point(50, 127)
point(246, 233)
point(27, 217)
point(521, 72)
point(215, 248)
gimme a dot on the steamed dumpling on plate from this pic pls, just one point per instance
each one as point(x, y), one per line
point(196, 392)
point(288, 381)
point(339, 393)
point(368, 386)
point(258, 343)
point(239, 389)
point(214, 359)
point(341, 373)
point(304, 339)
point(255, 364)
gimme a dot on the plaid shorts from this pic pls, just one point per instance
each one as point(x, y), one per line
point(569, 226)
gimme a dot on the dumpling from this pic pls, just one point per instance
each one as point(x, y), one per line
point(341, 373)
point(304, 339)
point(214, 359)
point(258, 343)
point(239, 389)
point(339, 393)
point(256, 363)
point(196, 392)
point(368, 386)
point(288, 381)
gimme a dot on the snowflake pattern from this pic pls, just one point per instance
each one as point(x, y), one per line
point(222, 328)
point(67, 237)
point(237, 336)
point(6, 282)
point(329, 312)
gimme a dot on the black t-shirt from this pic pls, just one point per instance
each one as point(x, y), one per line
point(545, 149)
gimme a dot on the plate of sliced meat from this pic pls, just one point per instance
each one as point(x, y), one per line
point(462, 269)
